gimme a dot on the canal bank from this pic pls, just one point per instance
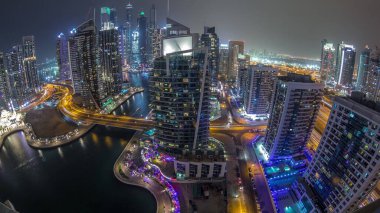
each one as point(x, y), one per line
point(77, 177)
point(165, 201)
point(56, 141)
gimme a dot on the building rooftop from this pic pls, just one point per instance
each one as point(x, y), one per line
point(200, 156)
point(358, 103)
point(361, 99)
point(293, 77)
point(214, 152)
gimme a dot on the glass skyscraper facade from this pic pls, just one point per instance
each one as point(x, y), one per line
point(17, 76)
point(4, 83)
point(363, 66)
point(234, 49)
point(63, 57)
point(242, 75)
point(135, 54)
point(180, 92)
point(110, 63)
point(223, 60)
point(210, 40)
point(345, 64)
point(327, 67)
point(347, 163)
point(83, 49)
point(143, 39)
point(293, 113)
point(372, 86)
point(258, 89)
point(128, 33)
point(29, 63)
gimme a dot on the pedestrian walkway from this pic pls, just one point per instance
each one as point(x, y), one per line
point(126, 170)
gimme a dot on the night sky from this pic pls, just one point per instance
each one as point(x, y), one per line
point(286, 26)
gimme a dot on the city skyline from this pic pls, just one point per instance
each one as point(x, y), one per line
point(279, 30)
point(211, 107)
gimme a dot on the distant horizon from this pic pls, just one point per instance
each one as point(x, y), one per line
point(293, 27)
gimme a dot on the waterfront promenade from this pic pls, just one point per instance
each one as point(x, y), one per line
point(124, 173)
point(56, 141)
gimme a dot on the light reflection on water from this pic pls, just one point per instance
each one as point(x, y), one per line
point(77, 177)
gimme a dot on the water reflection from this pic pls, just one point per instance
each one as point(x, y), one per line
point(60, 152)
point(77, 177)
point(138, 105)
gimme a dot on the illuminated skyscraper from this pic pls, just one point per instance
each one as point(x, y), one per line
point(63, 57)
point(210, 40)
point(372, 86)
point(113, 17)
point(104, 16)
point(242, 75)
point(345, 63)
point(143, 38)
point(347, 162)
point(4, 84)
point(128, 34)
point(180, 100)
point(223, 60)
point(17, 77)
point(135, 54)
point(83, 51)
point(123, 44)
point(363, 66)
point(258, 89)
point(29, 63)
point(153, 35)
point(234, 49)
point(293, 113)
point(107, 18)
point(110, 63)
point(327, 68)
point(157, 37)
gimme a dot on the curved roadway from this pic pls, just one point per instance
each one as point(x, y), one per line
point(69, 109)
